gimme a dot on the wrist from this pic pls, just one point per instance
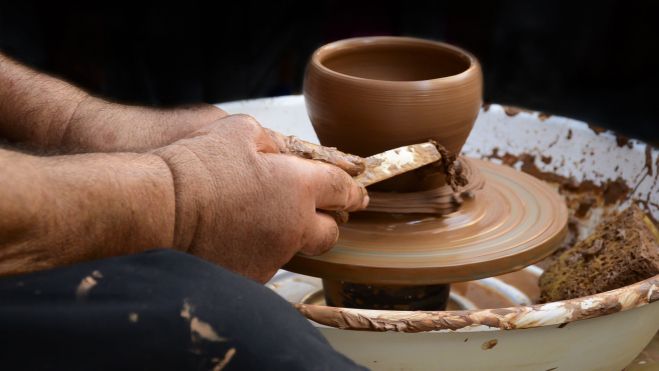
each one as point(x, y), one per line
point(189, 194)
point(110, 204)
point(61, 210)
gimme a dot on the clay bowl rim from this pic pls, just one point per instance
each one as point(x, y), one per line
point(329, 49)
point(554, 313)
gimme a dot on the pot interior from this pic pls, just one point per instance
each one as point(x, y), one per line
point(396, 61)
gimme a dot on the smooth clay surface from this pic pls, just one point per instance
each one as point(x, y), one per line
point(514, 220)
point(368, 95)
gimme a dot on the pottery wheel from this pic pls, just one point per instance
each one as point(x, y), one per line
point(511, 222)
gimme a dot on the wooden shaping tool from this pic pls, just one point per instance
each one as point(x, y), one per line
point(397, 161)
point(365, 171)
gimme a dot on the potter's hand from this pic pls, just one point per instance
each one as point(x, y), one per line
point(242, 204)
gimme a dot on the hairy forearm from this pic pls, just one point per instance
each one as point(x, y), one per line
point(61, 210)
point(35, 108)
point(101, 126)
point(42, 112)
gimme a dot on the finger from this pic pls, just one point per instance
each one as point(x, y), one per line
point(322, 234)
point(334, 189)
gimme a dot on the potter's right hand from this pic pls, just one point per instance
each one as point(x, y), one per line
point(242, 204)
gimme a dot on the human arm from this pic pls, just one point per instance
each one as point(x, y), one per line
point(224, 193)
point(43, 112)
point(60, 210)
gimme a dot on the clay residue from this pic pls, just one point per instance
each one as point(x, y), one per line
point(353, 165)
point(199, 329)
point(439, 201)
point(648, 159)
point(518, 317)
point(543, 116)
point(452, 169)
point(512, 111)
point(87, 284)
point(584, 205)
point(622, 141)
point(613, 190)
point(596, 129)
point(489, 344)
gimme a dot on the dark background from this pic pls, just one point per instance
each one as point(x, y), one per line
point(595, 61)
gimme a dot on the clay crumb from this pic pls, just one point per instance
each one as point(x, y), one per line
point(87, 284)
point(596, 129)
point(489, 344)
point(133, 317)
point(511, 111)
point(466, 340)
point(222, 363)
point(198, 328)
point(648, 159)
point(622, 141)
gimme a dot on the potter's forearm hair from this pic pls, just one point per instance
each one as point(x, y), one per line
point(41, 112)
point(35, 108)
point(60, 210)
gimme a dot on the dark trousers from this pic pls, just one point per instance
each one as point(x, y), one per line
point(160, 310)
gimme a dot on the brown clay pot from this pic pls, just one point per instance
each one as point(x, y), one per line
point(367, 95)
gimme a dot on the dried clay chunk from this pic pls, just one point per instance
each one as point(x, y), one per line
point(622, 250)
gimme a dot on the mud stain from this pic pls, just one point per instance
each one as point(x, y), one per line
point(199, 329)
point(489, 344)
